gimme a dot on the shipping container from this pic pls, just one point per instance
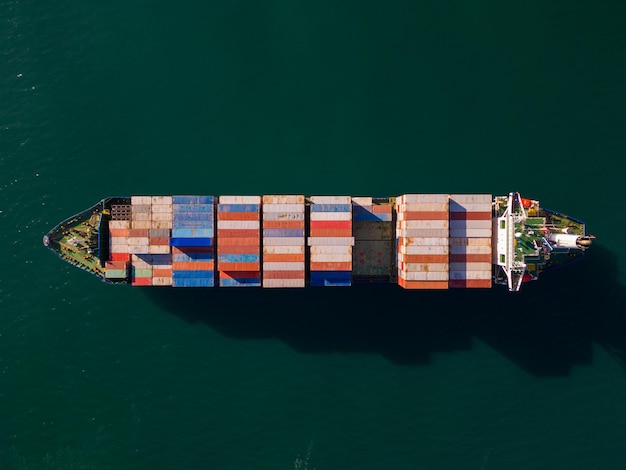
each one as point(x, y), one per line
point(281, 249)
point(330, 200)
point(331, 241)
point(283, 224)
point(330, 216)
point(283, 216)
point(471, 216)
point(141, 200)
point(283, 258)
point(240, 200)
point(284, 274)
point(286, 208)
point(193, 199)
point(285, 241)
point(471, 232)
point(470, 283)
point(283, 266)
point(330, 278)
point(284, 283)
point(425, 285)
point(240, 282)
point(283, 199)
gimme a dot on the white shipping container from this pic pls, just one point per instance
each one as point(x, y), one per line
point(144, 224)
point(331, 216)
point(139, 241)
point(141, 200)
point(289, 208)
point(470, 267)
point(424, 207)
point(425, 198)
point(140, 208)
point(425, 276)
point(161, 281)
point(471, 232)
point(425, 267)
point(162, 208)
point(240, 199)
point(238, 224)
point(161, 200)
point(469, 207)
point(471, 224)
point(423, 250)
point(340, 250)
point(119, 224)
point(283, 199)
point(154, 249)
point(139, 249)
point(464, 275)
point(283, 215)
point(283, 241)
point(330, 241)
point(162, 216)
point(330, 199)
point(438, 224)
point(422, 233)
point(119, 249)
point(362, 201)
point(283, 250)
point(472, 198)
point(114, 241)
point(141, 216)
point(331, 258)
point(430, 241)
point(470, 250)
point(273, 283)
point(162, 224)
point(464, 241)
point(283, 266)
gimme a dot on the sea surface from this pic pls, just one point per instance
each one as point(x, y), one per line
point(311, 97)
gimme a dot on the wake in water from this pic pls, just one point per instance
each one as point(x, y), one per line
point(303, 464)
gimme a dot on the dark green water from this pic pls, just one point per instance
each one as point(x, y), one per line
point(249, 97)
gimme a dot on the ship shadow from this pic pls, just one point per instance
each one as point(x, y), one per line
point(546, 329)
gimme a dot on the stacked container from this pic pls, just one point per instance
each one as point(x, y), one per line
point(193, 241)
point(373, 237)
point(159, 235)
point(470, 240)
point(139, 240)
point(422, 231)
point(116, 270)
point(283, 241)
point(238, 232)
point(330, 241)
point(119, 231)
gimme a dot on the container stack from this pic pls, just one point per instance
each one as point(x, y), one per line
point(116, 270)
point(470, 240)
point(119, 231)
point(139, 240)
point(238, 232)
point(330, 241)
point(193, 241)
point(373, 239)
point(283, 241)
point(422, 232)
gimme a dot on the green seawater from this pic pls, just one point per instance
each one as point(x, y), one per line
point(351, 97)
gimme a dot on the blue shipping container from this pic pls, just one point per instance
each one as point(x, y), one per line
point(193, 233)
point(238, 208)
point(240, 282)
point(371, 217)
point(205, 216)
point(177, 257)
point(330, 278)
point(193, 274)
point(193, 282)
point(193, 199)
point(331, 207)
point(193, 208)
point(191, 241)
point(237, 258)
point(282, 232)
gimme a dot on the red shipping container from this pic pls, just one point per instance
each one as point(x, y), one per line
point(119, 256)
point(237, 216)
point(470, 283)
point(422, 284)
point(470, 216)
point(330, 233)
point(239, 266)
point(283, 274)
point(119, 232)
point(288, 224)
point(331, 224)
point(240, 274)
point(138, 232)
point(283, 257)
point(159, 241)
point(237, 250)
point(141, 281)
point(425, 215)
point(330, 266)
point(381, 209)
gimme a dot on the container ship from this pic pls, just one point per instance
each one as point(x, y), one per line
point(418, 241)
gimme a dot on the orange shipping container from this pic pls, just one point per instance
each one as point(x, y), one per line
point(288, 224)
point(237, 216)
point(238, 249)
point(161, 273)
point(330, 266)
point(193, 265)
point(381, 209)
point(159, 241)
point(239, 266)
point(238, 233)
point(120, 256)
point(470, 216)
point(422, 284)
point(283, 274)
point(470, 258)
point(470, 283)
point(284, 257)
point(331, 224)
point(243, 241)
point(119, 232)
point(138, 232)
